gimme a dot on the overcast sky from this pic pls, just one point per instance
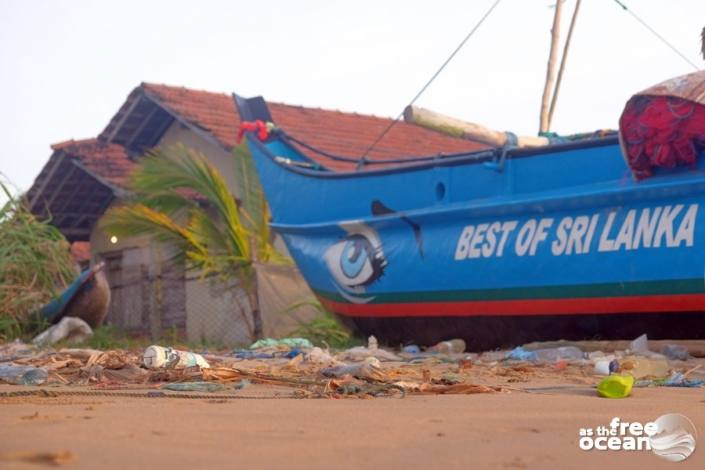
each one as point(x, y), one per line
point(67, 66)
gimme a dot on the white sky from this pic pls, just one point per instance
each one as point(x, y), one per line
point(67, 66)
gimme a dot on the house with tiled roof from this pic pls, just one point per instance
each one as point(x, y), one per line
point(83, 178)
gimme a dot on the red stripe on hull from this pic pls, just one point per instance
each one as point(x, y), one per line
point(525, 307)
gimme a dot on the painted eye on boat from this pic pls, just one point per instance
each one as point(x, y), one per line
point(357, 260)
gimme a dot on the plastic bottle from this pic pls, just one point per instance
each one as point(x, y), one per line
point(452, 346)
point(158, 357)
point(23, 375)
point(557, 354)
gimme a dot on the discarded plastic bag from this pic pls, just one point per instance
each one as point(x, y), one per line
point(676, 352)
point(319, 356)
point(370, 369)
point(23, 375)
point(69, 328)
point(640, 345)
point(640, 367)
point(158, 357)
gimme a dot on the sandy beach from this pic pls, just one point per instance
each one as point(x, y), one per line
point(513, 430)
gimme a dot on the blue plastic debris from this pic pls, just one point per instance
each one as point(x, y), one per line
point(411, 349)
point(521, 354)
point(293, 353)
point(678, 379)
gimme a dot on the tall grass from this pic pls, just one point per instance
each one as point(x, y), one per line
point(324, 329)
point(35, 264)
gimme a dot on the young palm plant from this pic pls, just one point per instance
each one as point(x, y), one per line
point(179, 198)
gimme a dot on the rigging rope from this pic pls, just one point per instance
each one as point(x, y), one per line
point(363, 159)
point(653, 31)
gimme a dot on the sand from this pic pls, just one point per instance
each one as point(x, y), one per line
point(504, 431)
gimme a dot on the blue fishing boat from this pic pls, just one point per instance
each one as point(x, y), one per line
point(599, 237)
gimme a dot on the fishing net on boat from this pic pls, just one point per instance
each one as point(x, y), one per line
point(664, 126)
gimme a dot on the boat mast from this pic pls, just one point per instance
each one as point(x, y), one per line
point(563, 61)
point(550, 71)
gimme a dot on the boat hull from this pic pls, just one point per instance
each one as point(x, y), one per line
point(484, 333)
point(560, 244)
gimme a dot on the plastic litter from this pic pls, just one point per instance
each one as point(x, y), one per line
point(359, 353)
point(677, 379)
point(370, 368)
point(675, 352)
point(293, 353)
point(195, 387)
point(451, 346)
point(606, 366)
point(640, 367)
point(69, 328)
point(411, 349)
point(640, 345)
point(288, 343)
point(319, 356)
point(545, 355)
point(158, 357)
point(615, 386)
point(23, 375)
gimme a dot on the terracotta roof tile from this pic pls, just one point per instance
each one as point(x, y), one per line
point(107, 161)
point(336, 132)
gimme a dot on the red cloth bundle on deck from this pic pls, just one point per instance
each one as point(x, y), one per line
point(665, 125)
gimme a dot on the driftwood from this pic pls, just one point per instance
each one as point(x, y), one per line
point(466, 130)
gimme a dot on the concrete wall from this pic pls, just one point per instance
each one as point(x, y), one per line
point(218, 312)
point(217, 155)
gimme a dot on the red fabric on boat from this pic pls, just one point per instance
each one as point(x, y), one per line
point(253, 126)
point(664, 126)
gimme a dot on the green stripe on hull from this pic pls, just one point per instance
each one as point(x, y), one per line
point(626, 289)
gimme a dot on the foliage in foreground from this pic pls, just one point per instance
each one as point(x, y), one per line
point(35, 265)
point(325, 329)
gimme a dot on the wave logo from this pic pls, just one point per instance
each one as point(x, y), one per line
point(671, 437)
point(675, 437)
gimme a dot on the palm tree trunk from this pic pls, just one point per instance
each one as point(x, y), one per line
point(253, 293)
